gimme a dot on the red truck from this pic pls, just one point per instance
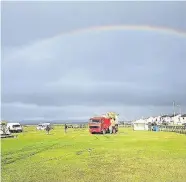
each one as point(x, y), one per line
point(101, 125)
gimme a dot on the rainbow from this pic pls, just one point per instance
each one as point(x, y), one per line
point(165, 30)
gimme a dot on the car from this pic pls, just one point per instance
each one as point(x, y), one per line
point(42, 126)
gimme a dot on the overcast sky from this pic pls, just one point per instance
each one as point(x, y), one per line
point(48, 73)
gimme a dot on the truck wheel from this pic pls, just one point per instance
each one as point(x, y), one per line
point(104, 131)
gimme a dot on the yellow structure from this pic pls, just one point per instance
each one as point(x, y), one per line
point(114, 117)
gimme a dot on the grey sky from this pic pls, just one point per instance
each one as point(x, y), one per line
point(135, 73)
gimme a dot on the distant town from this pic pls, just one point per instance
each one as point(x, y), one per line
point(172, 119)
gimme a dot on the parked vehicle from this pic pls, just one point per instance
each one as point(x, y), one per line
point(104, 124)
point(14, 127)
point(42, 126)
point(4, 129)
point(70, 126)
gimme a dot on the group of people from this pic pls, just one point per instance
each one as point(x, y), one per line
point(152, 126)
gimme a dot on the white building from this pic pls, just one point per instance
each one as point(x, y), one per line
point(167, 119)
point(158, 119)
point(176, 119)
point(140, 124)
point(179, 119)
point(183, 118)
point(150, 120)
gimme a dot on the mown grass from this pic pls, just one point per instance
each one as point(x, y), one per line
point(78, 156)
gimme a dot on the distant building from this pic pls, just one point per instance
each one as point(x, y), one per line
point(158, 119)
point(183, 118)
point(150, 120)
point(176, 119)
point(180, 119)
point(140, 124)
point(167, 119)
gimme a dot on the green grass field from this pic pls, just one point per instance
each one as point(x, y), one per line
point(78, 156)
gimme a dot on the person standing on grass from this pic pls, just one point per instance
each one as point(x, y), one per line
point(48, 129)
point(66, 128)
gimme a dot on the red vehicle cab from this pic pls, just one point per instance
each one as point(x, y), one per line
point(99, 125)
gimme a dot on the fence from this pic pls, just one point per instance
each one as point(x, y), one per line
point(125, 125)
point(177, 129)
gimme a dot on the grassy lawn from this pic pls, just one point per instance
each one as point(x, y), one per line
point(78, 156)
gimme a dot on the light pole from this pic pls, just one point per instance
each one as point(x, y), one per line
point(174, 107)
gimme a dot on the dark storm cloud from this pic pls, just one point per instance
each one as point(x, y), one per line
point(97, 99)
point(104, 74)
point(37, 20)
point(112, 69)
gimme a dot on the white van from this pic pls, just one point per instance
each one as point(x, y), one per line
point(42, 126)
point(15, 127)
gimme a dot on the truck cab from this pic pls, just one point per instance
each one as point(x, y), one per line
point(105, 123)
point(99, 125)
